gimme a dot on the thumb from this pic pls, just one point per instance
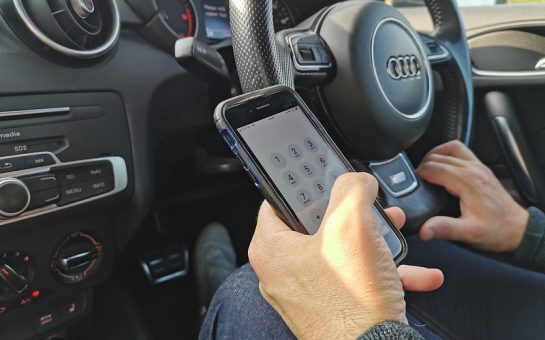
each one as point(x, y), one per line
point(443, 228)
point(351, 203)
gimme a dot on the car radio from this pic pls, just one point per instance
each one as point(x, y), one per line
point(38, 183)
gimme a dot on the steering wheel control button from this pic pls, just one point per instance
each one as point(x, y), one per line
point(309, 52)
point(11, 164)
point(304, 197)
point(36, 161)
point(395, 175)
point(14, 197)
point(295, 152)
point(291, 178)
point(278, 160)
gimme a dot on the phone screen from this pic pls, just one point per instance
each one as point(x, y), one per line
point(302, 165)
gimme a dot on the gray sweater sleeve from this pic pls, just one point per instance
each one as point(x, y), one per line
point(532, 248)
point(390, 330)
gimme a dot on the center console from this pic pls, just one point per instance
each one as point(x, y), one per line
point(65, 169)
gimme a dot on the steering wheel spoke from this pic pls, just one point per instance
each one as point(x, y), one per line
point(396, 176)
point(401, 187)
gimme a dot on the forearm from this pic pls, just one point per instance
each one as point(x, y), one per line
point(532, 248)
point(390, 330)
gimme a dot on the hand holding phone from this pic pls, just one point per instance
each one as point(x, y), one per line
point(291, 158)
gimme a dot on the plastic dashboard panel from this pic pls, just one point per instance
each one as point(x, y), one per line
point(120, 107)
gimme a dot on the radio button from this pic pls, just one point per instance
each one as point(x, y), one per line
point(44, 198)
point(85, 173)
point(11, 164)
point(35, 161)
point(99, 170)
point(74, 192)
point(39, 183)
point(99, 186)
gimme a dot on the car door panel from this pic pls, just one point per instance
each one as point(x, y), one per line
point(507, 42)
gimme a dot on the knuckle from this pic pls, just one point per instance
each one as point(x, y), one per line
point(434, 157)
point(456, 145)
point(357, 181)
point(424, 167)
point(478, 176)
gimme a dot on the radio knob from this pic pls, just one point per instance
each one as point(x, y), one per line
point(14, 197)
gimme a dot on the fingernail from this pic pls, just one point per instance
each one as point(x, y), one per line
point(426, 234)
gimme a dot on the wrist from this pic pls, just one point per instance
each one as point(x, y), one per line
point(352, 324)
point(518, 224)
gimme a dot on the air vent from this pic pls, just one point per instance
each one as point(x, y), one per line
point(76, 28)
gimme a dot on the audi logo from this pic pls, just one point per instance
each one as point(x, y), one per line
point(403, 67)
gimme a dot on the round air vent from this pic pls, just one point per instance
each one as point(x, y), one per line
point(76, 28)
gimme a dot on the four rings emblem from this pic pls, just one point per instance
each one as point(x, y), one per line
point(403, 67)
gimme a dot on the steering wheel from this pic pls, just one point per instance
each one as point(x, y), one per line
point(374, 79)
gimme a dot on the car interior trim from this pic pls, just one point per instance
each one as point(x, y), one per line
point(514, 74)
point(32, 112)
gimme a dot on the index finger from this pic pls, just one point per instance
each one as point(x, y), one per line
point(453, 148)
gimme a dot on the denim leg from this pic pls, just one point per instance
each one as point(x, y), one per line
point(238, 311)
point(481, 298)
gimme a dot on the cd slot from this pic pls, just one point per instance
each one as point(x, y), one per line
point(34, 113)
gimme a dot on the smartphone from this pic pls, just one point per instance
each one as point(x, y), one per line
point(291, 158)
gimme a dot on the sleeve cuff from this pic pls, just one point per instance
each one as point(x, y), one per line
point(391, 330)
point(532, 248)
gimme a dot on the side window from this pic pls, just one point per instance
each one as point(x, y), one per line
point(463, 3)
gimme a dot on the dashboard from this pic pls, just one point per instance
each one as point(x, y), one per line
point(98, 125)
point(183, 19)
point(208, 20)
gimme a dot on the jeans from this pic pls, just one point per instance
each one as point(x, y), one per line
point(481, 299)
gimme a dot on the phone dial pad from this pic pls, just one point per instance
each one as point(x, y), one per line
point(307, 172)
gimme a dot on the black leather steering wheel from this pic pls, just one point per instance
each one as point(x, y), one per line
point(374, 77)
